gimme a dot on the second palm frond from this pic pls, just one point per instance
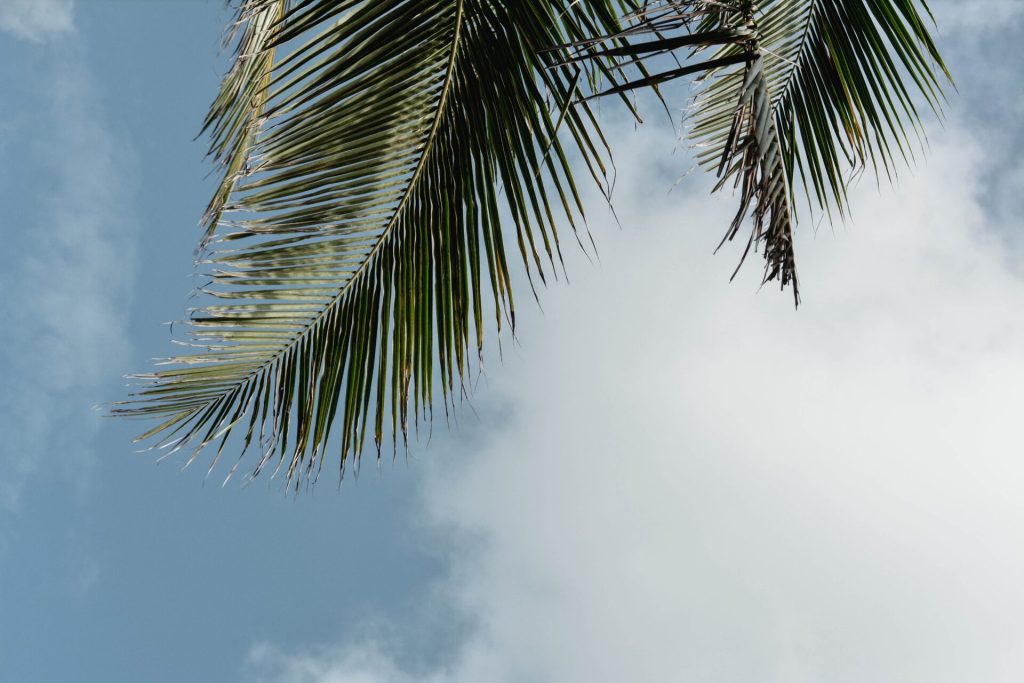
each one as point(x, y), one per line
point(813, 91)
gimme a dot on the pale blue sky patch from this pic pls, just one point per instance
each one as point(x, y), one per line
point(37, 21)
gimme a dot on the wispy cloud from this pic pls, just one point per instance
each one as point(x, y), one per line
point(67, 282)
point(991, 97)
point(365, 664)
point(37, 20)
point(977, 16)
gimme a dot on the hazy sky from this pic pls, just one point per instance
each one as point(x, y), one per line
point(669, 478)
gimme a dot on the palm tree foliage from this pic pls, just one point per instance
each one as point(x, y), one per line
point(370, 146)
point(818, 89)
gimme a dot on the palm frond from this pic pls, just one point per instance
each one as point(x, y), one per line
point(369, 148)
point(819, 89)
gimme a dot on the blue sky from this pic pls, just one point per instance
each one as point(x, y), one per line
point(670, 478)
point(103, 578)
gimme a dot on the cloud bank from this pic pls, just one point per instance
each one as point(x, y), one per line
point(694, 482)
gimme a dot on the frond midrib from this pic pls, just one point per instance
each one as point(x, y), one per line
point(234, 166)
point(785, 92)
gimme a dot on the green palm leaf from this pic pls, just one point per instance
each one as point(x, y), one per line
point(369, 148)
point(815, 89)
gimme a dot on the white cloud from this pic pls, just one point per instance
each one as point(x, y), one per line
point(67, 287)
point(694, 482)
point(37, 20)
